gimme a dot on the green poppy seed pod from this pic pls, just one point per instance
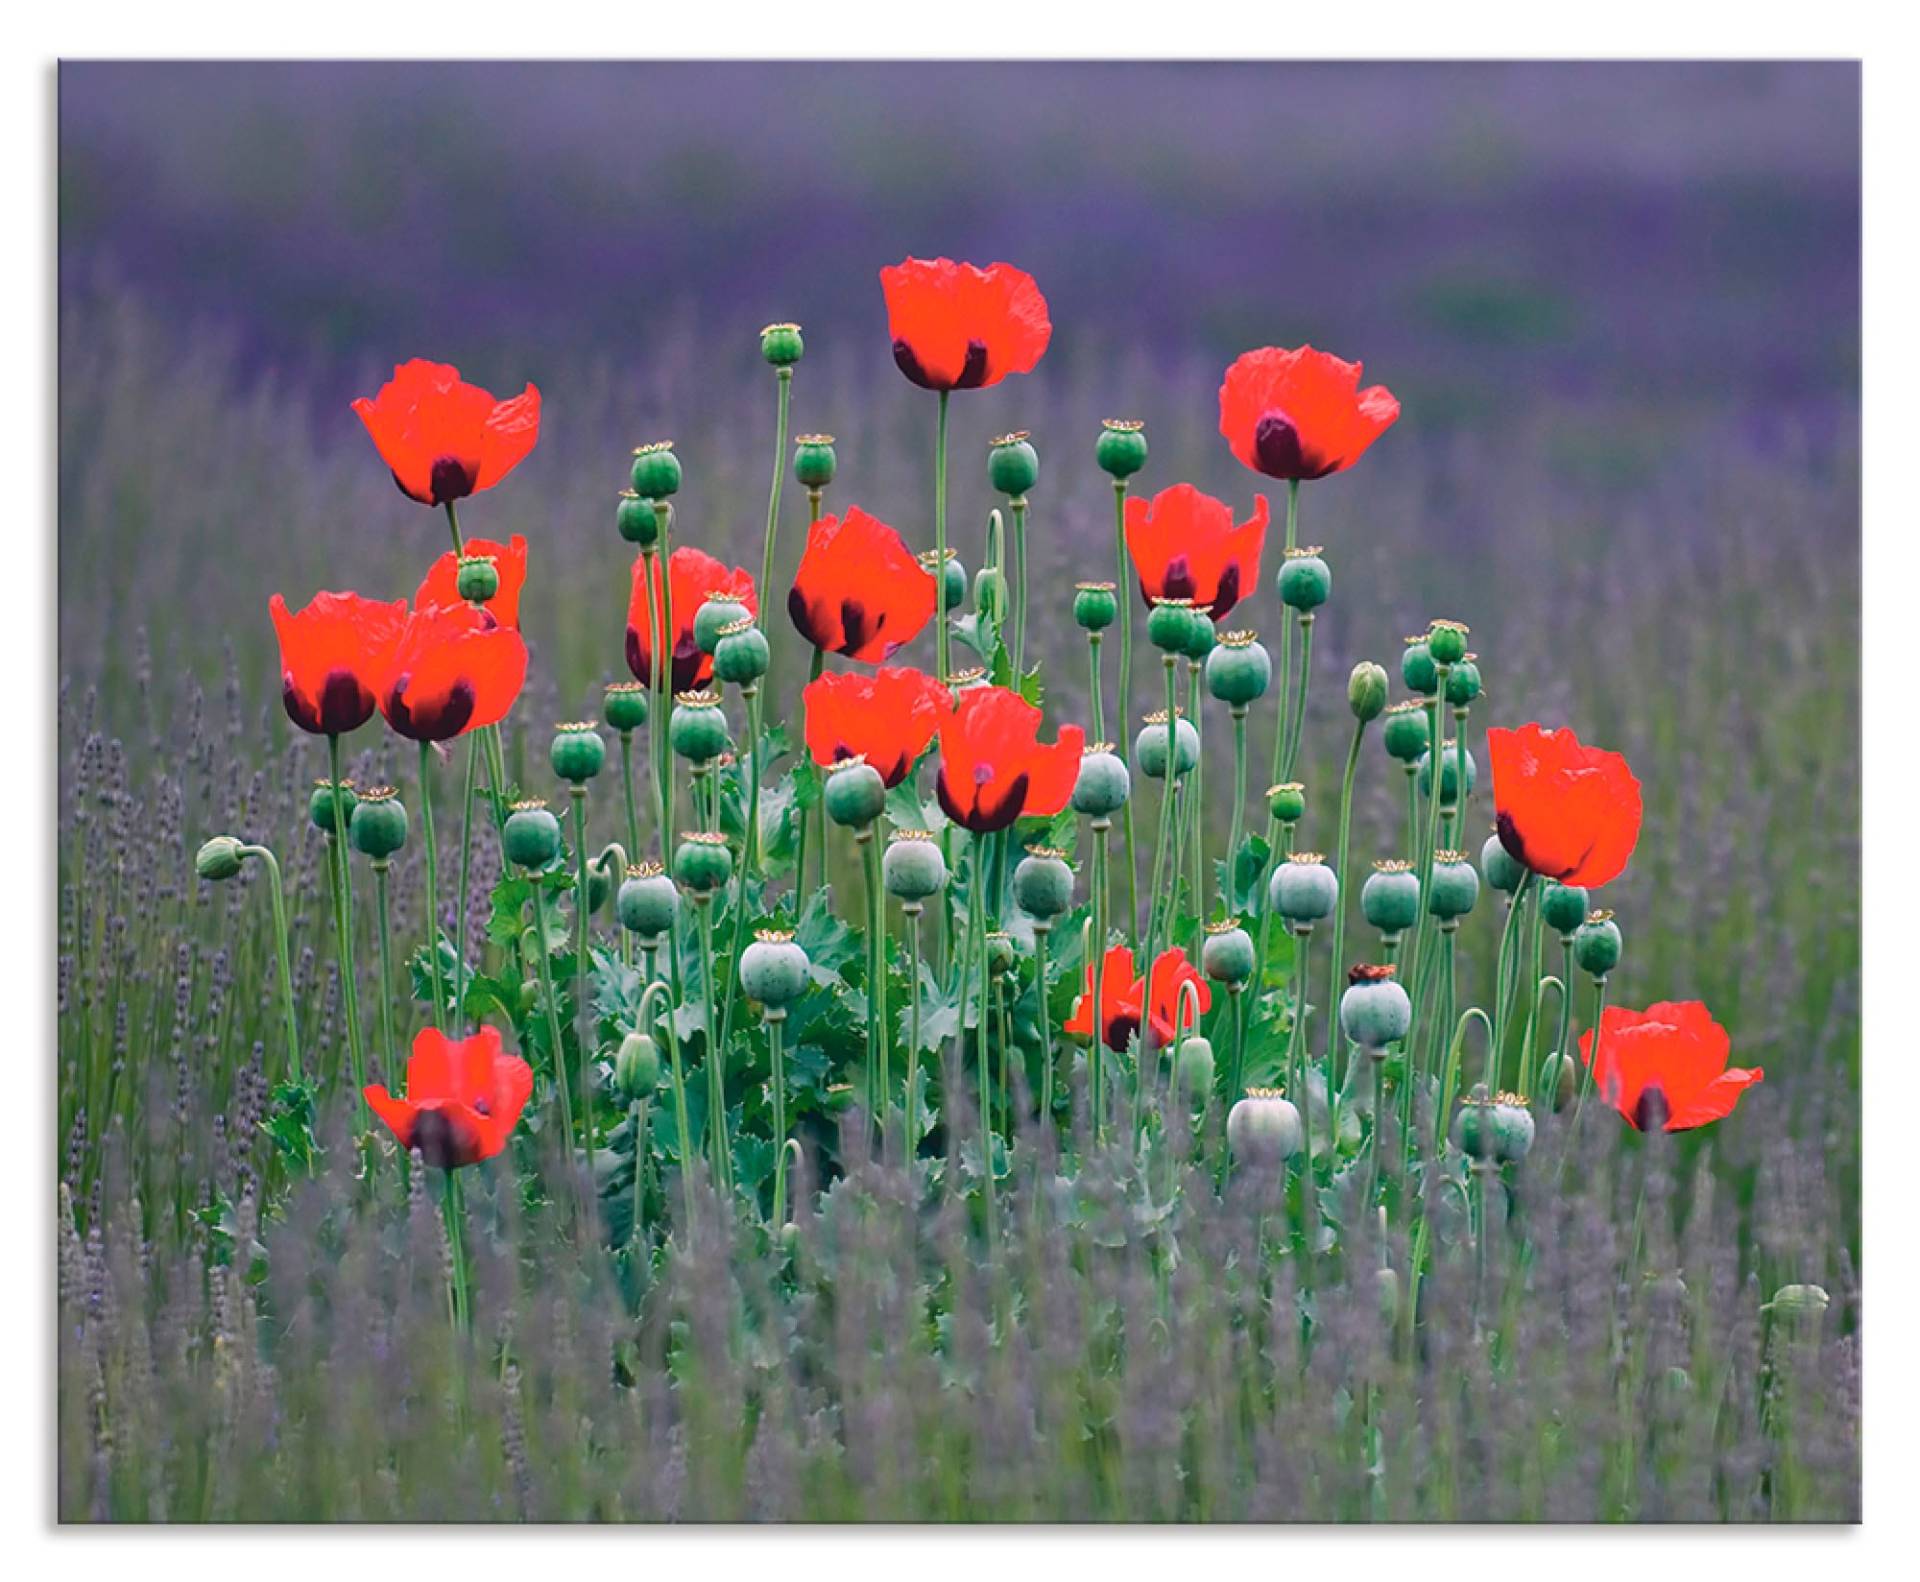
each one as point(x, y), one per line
point(625, 706)
point(220, 858)
point(477, 578)
point(1800, 1300)
point(1558, 1075)
point(1596, 945)
point(713, 617)
point(1239, 670)
point(774, 970)
point(578, 752)
point(1450, 760)
point(531, 837)
point(1287, 802)
point(656, 470)
point(1303, 889)
point(1463, 683)
point(1447, 641)
point(378, 824)
point(999, 953)
point(647, 902)
point(781, 345)
point(637, 520)
point(1455, 885)
point(1406, 731)
point(1512, 1129)
point(703, 862)
point(913, 868)
point(1095, 606)
point(855, 794)
point(953, 577)
point(1043, 883)
point(1150, 746)
point(320, 805)
point(1390, 899)
point(1104, 784)
point(1367, 691)
point(637, 1067)
point(967, 680)
point(990, 592)
point(1497, 863)
point(1227, 956)
point(1170, 625)
point(814, 460)
point(1013, 465)
point(1305, 579)
point(1563, 907)
point(1263, 1129)
point(1193, 1069)
point(1500, 1129)
point(698, 729)
point(1375, 1011)
point(741, 656)
point(1121, 449)
point(1417, 668)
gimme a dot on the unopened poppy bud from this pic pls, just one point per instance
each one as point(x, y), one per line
point(656, 470)
point(1563, 907)
point(1390, 899)
point(599, 887)
point(1386, 1286)
point(1463, 683)
point(713, 617)
point(320, 806)
point(990, 592)
point(1558, 1074)
point(1104, 784)
point(1264, 1128)
point(477, 578)
point(1367, 690)
point(1240, 670)
point(1417, 668)
point(1170, 625)
point(1094, 606)
point(1596, 945)
point(220, 858)
point(1497, 863)
point(637, 520)
point(703, 862)
point(378, 825)
point(625, 708)
point(578, 753)
point(1800, 1300)
point(1193, 1068)
point(1406, 731)
point(1043, 883)
point(1150, 746)
point(1451, 758)
point(698, 729)
point(1227, 956)
point(637, 1067)
point(814, 460)
point(1013, 465)
point(1455, 886)
point(1303, 889)
point(1305, 579)
point(1287, 802)
point(913, 868)
point(781, 345)
point(855, 794)
point(531, 836)
point(741, 656)
point(647, 902)
point(1447, 642)
point(1121, 449)
point(953, 577)
point(774, 971)
point(1375, 1011)
point(999, 953)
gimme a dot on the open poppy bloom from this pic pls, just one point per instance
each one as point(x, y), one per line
point(887, 718)
point(1185, 546)
point(693, 576)
point(957, 327)
point(994, 767)
point(454, 669)
point(446, 439)
point(442, 584)
point(1301, 413)
point(1666, 1066)
point(859, 591)
point(332, 657)
point(1564, 810)
point(463, 1098)
point(1122, 996)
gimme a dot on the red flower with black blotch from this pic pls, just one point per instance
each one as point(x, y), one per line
point(957, 327)
point(859, 591)
point(993, 766)
point(1666, 1066)
point(887, 718)
point(1185, 545)
point(332, 657)
point(463, 1098)
point(446, 439)
point(1300, 413)
point(1122, 995)
point(442, 584)
point(693, 576)
point(454, 669)
point(1564, 810)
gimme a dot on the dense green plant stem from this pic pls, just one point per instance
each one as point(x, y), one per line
point(637, 1124)
point(785, 378)
point(1450, 1073)
point(751, 692)
point(1096, 979)
point(1297, 1083)
point(551, 996)
point(1149, 1065)
point(775, 1020)
point(878, 1042)
point(1280, 699)
point(454, 1212)
point(1019, 510)
point(390, 1054)
point(1197, 804)
point(343, 927)
point(430, 850)
point(1529, 1031)
point(940, 541)
point(453, 526)
point(626, 789)
point(1413, 817)
point(1238, 824)
point(657, 989)
point(1296, 727)
point(1377, 1060)
point(1123, 584)
point(1501, 994)
point(466, 877)
point(583, 916)
point(913, 909)
point(1592, 1064)
point(283, 946)
point(812, 820)
point(1566, 998)
point(1098, 705)
point(1425, 927)
point(716, 1059)
point(1340, 925)
point(976, 977)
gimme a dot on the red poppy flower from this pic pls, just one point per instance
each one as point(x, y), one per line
point(993, 766)
point(1185, 546)
point(1670, 1061)
point(332, 657)
point(463, 1098)
point(694, 577)
point(509, 560)
point(859, 590)
point(956, 327)
point(1301, 414)
point(1121, 996)
point(443, 438)
point(1171, 969)
point(454, 669)
point(1566, 811)
point(887, 718)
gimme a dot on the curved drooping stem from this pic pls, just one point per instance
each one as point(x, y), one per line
point(658, 989)
point(283, 946)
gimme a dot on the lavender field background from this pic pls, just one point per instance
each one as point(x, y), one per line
point(1621, 308)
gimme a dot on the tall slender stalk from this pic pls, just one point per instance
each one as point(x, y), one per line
point(454, 1212)
point(550, 995)
point(785, 378)
point(1041, 932)
point(940, 540)
point(1096, 979)
point(879, 1043)
point(913, 910)
point(582, 912)
point(466, 872)
point(716, 1060)
point(277, 891)
point(658, 989)
point(431, 850)
point(385, 935)
point(1019, 509)
point(775, 1018)
point(1122, 584)
point(343, 925)
point(1297, 726)
point(1340, 924)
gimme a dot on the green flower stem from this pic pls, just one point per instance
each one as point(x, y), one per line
point(343, 929)
point(637, 1124)
point(453, 526)
point(1566, 998)
point(976, 974)
point(813, 819)
point(1450, 1074)
point(716, 1074)
point(657, 988)
point(577, 795)
point(1093, 683)
point(1377, 1059)
point(1529, 1031)
point(1297, 1080)
point(548, 993)
point(1413, 817)
point(1122, 584)
point(1450, 1079)
point(1236, 1072)
point(1197, 804)
point(1280, 698)
point(751, 693)
point(1424, 927)
point(466, 874)
point(1340, 929)
point(940, 540)
point(1297, 726)
point(1500, 977)
point(453, 1210)
point(775, 1019)
point(276, 890)
point(1041, 933)
point(659, 665)
point(879, 1045)
point(913, 909)
point(626, 788)
point(785, 377)
point(430, 848)
point(1593, 1065)
point(1239, 822)
point(1096, 978)
point(1169, 791)
point(1019, 509)
point(385, 935)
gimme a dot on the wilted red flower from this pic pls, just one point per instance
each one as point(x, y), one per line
point(463, 1098)
point(993, 766)
point(1122, 994)
point(1566, 811)
point(886, 718)
point(693, 577)
point(859, 591)
point(1668, 1061)
point(1300, 413)
point(444, 438)
point(454, 669)
point(1185, 546)
point(509, 560)
point(332, 657)
point(956, 327)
